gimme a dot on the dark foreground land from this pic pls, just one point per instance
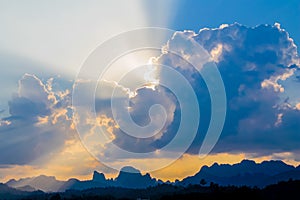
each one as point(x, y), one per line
point(283, 190)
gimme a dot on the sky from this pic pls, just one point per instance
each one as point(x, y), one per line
point(246, 99)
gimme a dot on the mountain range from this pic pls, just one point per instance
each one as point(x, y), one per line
point(128, 177)
point(246, 172)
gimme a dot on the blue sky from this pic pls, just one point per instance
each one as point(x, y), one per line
point(44, 45)
point(194, 15)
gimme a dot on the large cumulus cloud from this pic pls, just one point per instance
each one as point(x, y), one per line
point(260, 70)
point(150, 133)
point(259, 66)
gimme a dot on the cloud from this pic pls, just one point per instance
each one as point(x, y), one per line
point(133, 123)
point(260, 70)
point(39, 123)
point(155, 126)
point(259, 66)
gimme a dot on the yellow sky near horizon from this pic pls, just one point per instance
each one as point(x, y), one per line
point(64, 169)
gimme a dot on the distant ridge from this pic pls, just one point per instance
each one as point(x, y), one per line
point(130, 177)
point(247, 172)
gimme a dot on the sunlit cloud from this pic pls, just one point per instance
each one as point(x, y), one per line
point(41, 133)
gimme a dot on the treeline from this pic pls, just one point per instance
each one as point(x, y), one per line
point(281, 190)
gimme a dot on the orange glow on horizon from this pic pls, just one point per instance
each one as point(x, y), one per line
point(63, 169)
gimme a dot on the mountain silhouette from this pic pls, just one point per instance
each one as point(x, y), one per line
point(98, 177)
point(7, 192)
point(130, 177)
point(26, 188)
point(98, 181)
point(281, 190)
point(247, 173)
point(42, 182)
